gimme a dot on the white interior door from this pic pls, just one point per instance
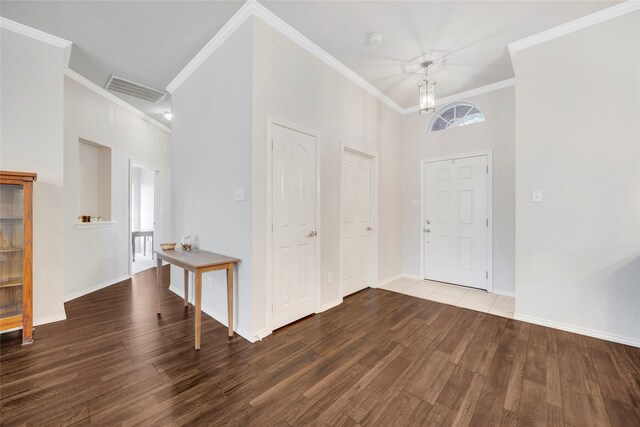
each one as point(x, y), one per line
point(456, 221)
point(294, 225)
point(357, 250)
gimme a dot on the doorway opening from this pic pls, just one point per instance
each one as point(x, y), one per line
point(143, 208)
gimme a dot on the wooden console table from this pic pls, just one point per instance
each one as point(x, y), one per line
point(198, 262)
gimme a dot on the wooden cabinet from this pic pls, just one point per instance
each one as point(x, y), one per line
point(16, 236)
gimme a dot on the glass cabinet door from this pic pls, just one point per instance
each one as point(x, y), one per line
point(11, 249)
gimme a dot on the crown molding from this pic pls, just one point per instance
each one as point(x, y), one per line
point(288, 31)
point(467, 94)
point(575, 25)
point(212, 45)
point(67, 45)
point(253, 8)
point(16, 27)
point(111, 97)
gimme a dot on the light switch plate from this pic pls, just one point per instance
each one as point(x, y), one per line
point(536, 196)
point(239, 194)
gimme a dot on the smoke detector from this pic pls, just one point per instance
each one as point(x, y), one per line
point(375, 39)
point(136, 90)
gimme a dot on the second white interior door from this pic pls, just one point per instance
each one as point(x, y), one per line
point(294, 225)
point(456, 221)
point(357, 249)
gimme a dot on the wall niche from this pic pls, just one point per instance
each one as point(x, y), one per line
point(94, 195)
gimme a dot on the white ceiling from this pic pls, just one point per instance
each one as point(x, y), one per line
point(151, 41)
point(148, 42)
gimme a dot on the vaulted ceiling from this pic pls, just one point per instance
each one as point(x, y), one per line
point(149, 42)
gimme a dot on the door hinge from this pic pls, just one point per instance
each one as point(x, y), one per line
point(487, 275)
point(487, 222)
point(487, 169)
point(272, 144)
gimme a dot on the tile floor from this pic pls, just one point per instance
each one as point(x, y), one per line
point(142, 263)
point(459, 296)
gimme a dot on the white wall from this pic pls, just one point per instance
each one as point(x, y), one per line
point(497, 134)
point(31, 135)
point(292, 84)
point(87, 179)
point(211, 156)
point(94, 180)
point(578, 140)
point(98, 256)
point(219, 140)
point(146, 183)
point(135, 198)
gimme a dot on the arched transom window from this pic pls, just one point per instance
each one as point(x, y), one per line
point(460, 113)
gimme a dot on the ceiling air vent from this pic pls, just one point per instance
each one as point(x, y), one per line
point(136, 90)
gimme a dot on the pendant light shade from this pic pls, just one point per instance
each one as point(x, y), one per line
point(427, 92)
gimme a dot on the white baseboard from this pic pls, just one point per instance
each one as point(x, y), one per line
point(97, 287)
point(330, 305)
point(266, 332)
point(577, 330)
point(411, 276)
point(263, 334)
point(41, 321)
point(49, 319)
point(385, 282)
point(505, 293)
point(219, 317)
point(244, 333)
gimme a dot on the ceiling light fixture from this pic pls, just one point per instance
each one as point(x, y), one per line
point(375, 39)
point(168, 115)
point(427, 92)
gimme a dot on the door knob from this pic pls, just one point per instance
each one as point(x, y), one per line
point(369, 228)
point(312, 233)
point(426, 230)
point(428, 222)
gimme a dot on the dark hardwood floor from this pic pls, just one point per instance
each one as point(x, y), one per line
point(380, 358)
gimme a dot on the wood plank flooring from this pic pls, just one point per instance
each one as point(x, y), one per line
point(381, 358)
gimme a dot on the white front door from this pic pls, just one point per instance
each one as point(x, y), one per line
point(357, 250)
point(456, 221)
point(294, 225)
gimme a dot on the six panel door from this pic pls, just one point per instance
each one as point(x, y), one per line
point(356, 248)
point(294, 225)
point(456, 221)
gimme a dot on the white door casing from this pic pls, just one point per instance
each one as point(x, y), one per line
point(455, 220)
point(157, 211)
point(294, 225)
point(357, 222)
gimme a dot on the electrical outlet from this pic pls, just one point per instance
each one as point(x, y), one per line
point(239, 194)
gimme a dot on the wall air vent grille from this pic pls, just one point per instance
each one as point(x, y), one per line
point(136, 90)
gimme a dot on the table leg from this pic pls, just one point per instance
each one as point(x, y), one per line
point(158, 283)
point(230, 298)
point(186, 288)
point(198, 306)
